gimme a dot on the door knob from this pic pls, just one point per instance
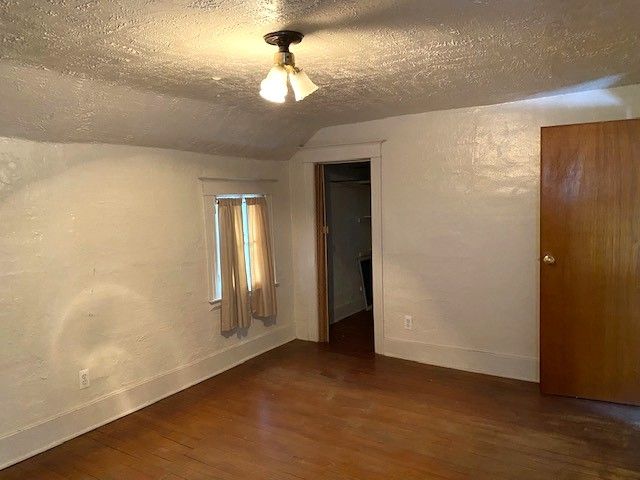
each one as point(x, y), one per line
point(549, 259)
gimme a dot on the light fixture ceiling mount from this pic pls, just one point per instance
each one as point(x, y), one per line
point(274, 86)
point(283, 38)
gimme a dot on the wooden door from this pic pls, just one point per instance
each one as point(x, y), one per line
point(590, 261)
point(321, 255)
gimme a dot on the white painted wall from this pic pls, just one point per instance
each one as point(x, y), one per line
point(460, 214)
point(102, 266)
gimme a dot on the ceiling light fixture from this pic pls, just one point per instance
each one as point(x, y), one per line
point(274, 86)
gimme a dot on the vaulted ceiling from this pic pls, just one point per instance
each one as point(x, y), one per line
point(185, 73)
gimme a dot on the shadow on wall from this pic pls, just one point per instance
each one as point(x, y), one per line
point(594, 93)
point(131, 214)
point(23, 162)
point(244, 332)
point(495, 164)
point(105, 328)
point(18, 169)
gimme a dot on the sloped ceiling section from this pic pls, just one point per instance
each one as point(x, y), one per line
point(47, 106)
point(185, 73)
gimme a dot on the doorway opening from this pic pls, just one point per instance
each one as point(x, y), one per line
point(344, 252)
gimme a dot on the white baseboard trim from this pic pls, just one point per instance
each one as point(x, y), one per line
point(46, 434)
point(459, 358)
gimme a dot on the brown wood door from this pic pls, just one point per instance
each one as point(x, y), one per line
point(590, 295)
point(321, 255)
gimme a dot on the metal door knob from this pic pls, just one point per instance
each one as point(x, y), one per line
point(549, 259)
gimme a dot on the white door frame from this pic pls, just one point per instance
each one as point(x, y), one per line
point(304, 237)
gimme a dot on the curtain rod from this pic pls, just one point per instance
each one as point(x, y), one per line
point(223, 196)
point(240, 195)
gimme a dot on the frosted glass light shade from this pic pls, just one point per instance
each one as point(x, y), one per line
point(274, 86)
point(301, 84)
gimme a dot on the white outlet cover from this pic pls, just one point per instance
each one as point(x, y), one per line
point(408, 322)
point(83, 378)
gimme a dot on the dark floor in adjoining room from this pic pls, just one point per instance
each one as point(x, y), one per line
point(353, 335)
point(302, 411)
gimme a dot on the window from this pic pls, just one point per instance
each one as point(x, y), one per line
point(213, 241)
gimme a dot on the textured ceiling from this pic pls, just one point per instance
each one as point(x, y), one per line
point(185, 73)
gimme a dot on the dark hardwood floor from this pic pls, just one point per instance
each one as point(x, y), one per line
point(303, 411)
point(353, 335)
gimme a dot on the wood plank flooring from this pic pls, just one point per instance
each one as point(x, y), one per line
point(303, 411)
point(353, 335)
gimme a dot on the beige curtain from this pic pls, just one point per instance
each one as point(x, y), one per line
point(263, 277)
point(234, 312)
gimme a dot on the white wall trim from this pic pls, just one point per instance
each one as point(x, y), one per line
point(460, 358)
point(55, 430)
point(339, 153)
point(305, 265)
point(211, 186)
point(233, 179)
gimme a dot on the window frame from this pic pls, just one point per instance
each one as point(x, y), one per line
point(212, 245)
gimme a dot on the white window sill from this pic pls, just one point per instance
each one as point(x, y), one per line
point(215, 304)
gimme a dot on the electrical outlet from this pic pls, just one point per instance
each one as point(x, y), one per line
point(83, 378)
point(408, 322)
